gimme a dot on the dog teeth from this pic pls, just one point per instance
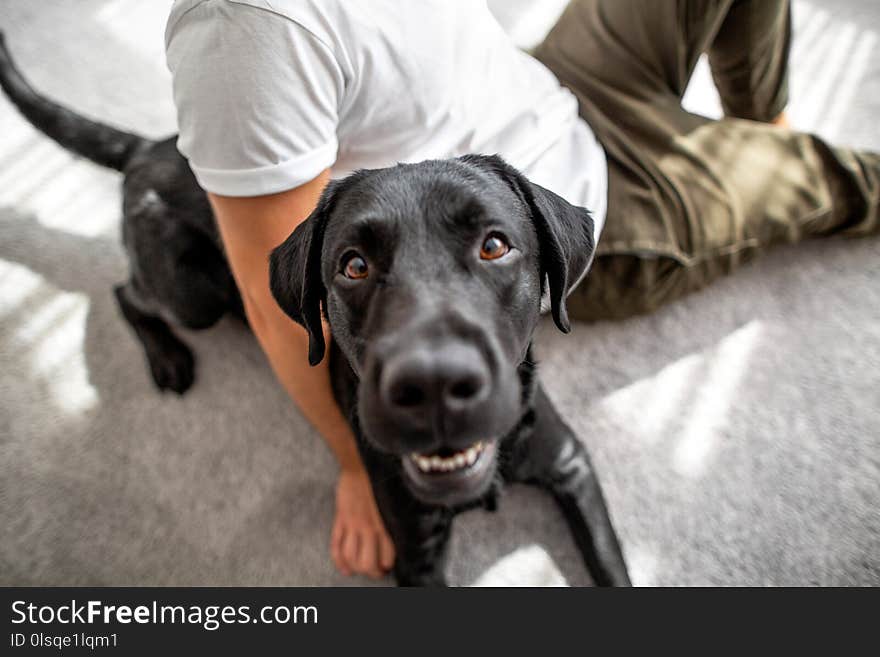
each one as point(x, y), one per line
point(435, 463)
point(423, 462)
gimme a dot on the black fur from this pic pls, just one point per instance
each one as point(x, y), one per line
point(428, 294)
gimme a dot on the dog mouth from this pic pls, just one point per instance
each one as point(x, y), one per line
point(451, 477)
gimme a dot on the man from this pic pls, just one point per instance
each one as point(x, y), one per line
point(276, 97)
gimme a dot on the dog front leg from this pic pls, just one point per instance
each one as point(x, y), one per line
point(421, 549)
point(420, 532)
point(555, 459)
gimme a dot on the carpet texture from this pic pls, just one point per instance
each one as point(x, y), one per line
point(737, 432)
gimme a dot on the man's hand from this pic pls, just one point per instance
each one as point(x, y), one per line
point(359, 542)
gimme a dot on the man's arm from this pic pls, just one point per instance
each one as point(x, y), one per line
point(250, 228)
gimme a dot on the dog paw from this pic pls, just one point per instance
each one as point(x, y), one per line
point(173, 368)
point(420, 579)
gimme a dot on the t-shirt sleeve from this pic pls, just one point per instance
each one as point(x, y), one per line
point(257, 98)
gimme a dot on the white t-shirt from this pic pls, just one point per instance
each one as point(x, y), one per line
point(269, 93)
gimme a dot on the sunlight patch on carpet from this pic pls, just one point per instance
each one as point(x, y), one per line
point(529, 565)
point(715, 395)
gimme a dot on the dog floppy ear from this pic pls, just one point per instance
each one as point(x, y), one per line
point(295, 273)
point(565, 234)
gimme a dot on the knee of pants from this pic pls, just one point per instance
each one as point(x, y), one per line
point(622, 286)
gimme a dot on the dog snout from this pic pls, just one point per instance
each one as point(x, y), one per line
point(448, 381)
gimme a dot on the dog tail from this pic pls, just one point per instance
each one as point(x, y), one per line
point(102, 144)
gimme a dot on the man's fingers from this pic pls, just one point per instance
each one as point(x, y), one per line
point(336, 539)
point(386, 552)
point(350, 550)
point(368, 555)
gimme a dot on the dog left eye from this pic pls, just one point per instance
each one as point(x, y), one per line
point(494, 246)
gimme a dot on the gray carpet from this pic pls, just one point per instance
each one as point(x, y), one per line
point(737, 432)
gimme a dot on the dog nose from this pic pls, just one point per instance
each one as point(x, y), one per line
point(451, 378)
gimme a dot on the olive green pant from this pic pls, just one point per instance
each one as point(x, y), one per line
point(691, 198)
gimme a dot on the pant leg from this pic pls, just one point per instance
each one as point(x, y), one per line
point(641, 48)
point(689, 198)
point(749, 59)
point(745, 187)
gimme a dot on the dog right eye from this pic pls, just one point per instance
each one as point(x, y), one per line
point(354, 266)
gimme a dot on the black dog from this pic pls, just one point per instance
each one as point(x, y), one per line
point(431, 277)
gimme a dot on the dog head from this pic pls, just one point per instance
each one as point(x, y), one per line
point(431, 277)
